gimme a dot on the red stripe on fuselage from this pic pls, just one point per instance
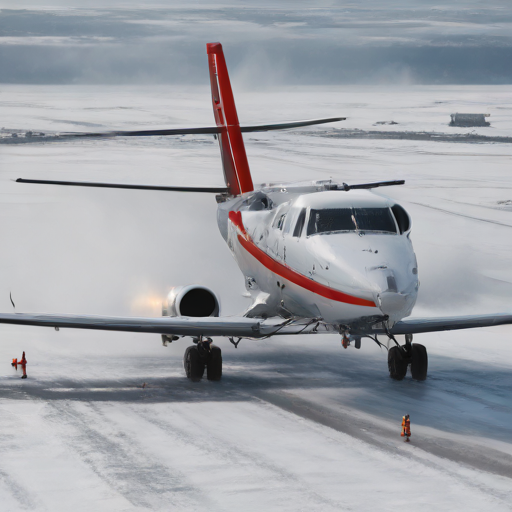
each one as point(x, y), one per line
point(288, 273)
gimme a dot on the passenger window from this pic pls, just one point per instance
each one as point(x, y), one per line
point(300, 223)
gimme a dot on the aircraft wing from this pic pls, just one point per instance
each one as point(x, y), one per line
point(449, 323)
point(241, 326)
point(180, 326)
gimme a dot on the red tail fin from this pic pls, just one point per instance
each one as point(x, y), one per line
point(232, 149)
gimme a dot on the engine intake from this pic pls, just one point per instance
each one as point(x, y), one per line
point(192, 300)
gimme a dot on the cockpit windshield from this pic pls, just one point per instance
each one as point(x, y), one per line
point(351, 219)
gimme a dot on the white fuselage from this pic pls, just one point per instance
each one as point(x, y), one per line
point(307, 250)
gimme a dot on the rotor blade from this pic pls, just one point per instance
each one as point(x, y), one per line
point(211, 190)
point(372, 185)
point(286, 126)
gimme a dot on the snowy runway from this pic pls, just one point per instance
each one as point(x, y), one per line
point(288, 426)
point(107, 421)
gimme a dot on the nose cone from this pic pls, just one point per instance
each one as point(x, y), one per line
point(397, 290)
point(380, 266)
point(392, 303)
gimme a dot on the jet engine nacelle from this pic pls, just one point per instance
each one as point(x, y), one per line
point(192, 300)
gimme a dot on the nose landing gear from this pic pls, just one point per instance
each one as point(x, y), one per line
point(413, 354)
point(200, 356)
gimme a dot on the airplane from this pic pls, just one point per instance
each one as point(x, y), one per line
point(317, 257)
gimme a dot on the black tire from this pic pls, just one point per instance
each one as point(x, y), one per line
point(397, 364)
point(194, 365)
point(214, 364)
point(419, 362)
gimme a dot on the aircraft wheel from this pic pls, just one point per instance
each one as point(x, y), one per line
point(193, 363)
point(214, 364)
point(419, 362)
point(397, 364)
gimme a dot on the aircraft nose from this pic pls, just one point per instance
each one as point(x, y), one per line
point(394, 293)
point(391, 303)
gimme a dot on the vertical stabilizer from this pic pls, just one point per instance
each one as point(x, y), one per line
point(234, 159)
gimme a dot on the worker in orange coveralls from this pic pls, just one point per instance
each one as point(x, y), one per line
point(23, 363)
point(406, 428)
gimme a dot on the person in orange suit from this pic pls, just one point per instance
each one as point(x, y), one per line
point(23, 364)
point(406, 428)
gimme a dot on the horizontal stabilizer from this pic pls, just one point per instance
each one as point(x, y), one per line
point(211, 190)
point(143, 133)
point(207, 130)
point(287, 126)
point(371, 185)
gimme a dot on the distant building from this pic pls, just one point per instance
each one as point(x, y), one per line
point(469, 120)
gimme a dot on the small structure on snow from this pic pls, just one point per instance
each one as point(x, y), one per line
point(469, 120)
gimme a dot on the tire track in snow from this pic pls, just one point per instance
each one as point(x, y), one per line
point(118, 460)
point(20, 493)
point(9, 444)
point(481, 458)
point(234, 455)
point(462, 214)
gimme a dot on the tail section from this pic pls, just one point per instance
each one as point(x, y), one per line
point(234, 159)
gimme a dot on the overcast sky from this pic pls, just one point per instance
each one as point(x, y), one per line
point(321, 42)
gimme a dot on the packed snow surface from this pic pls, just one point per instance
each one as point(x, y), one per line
point(108, 422)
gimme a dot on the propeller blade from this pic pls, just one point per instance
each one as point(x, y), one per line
point(210, 190)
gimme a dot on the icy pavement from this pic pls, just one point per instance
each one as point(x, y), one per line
point(107, 421)
point(290, 427)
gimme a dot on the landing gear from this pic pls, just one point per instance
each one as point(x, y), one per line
point(397, 363)
point(200, 356)
point(193, 363)
point(419, 362)
point(400, 357)
point(214, 364)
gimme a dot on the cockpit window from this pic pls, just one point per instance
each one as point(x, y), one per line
point(375, 219)
point(402, 219)
point(300, 223)
point(351, 219)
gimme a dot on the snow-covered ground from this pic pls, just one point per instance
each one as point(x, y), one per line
point(295, 424)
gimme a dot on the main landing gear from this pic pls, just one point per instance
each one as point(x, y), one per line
point(400, 357)
point(203, 355)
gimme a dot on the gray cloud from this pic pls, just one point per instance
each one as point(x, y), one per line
point(409, 42)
